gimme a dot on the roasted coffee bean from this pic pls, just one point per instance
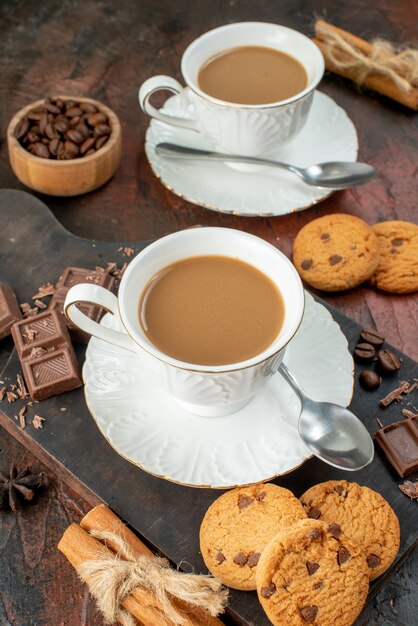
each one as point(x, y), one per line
point(387, 362)
point(39, 149)
point(371, 335)
point(64, 129)
point(61, 125)
point(88, 107)
point(369, 380)
point(100, 141)
point(364, 352)
point(74, 136)
point(97, 118)
point(87, 144)
point(101, 129)
point(74, 111)
point(22, 128)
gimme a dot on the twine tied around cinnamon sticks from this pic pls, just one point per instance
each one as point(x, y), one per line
point(113, 578)
point(377, 65)
point(133, 586)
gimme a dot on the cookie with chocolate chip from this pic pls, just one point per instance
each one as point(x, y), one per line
point(336, 252)
point(237, 527)
point(397, 271)
point(309, 575)
point(362, 515)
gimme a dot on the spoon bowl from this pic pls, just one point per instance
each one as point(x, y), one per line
point(335, 174)
point(333, 433)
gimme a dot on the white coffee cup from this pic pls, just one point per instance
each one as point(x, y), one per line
point(200, 389)
point(236, 128)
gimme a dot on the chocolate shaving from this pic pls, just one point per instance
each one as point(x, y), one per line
point(23, 391)
point(2, 393)
point(394, 395)
point(40, 304)
point(127, 250)
point(44, 290)
point(63, 408)
point(11, 397)
point(36, 352)
point(407, 413)
point(410, 489)
point(22, 420)
point(37, 421)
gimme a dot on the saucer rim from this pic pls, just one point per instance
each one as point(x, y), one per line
point(206, 486)
point(149, 149)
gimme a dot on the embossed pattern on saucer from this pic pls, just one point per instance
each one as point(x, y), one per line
point(329, 135)
point(147, 427)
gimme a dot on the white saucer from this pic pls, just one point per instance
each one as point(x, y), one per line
point(147, 427)
point(329, 135)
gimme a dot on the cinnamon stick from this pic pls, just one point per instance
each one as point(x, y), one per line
point(377, 82)
point(79, 546)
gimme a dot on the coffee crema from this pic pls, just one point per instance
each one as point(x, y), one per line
point(211, 310)
point(252, 75)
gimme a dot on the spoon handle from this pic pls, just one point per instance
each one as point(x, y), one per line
point(289, 378)
point(173, 151)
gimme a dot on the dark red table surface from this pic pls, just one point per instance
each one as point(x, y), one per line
point(105, 50)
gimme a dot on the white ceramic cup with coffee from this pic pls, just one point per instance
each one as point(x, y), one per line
point(208, 390)
point(247, 129)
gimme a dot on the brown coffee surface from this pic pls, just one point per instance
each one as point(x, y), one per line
point(252, 75)
point(211, 310)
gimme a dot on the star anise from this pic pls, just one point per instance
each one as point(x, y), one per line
point(15, 486)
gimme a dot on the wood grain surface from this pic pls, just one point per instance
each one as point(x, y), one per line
point(104, 50)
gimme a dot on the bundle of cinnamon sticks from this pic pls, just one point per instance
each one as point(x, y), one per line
point(377, 65)
point(141, 606)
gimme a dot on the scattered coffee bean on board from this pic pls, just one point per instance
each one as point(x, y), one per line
point(369, 380)
point(373, 336)
point(387, 362)
point(63, 129)
point(364, 352)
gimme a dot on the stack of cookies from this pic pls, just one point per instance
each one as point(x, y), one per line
point(340, 251)
point(311, 559)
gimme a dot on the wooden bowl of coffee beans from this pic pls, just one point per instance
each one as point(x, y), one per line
point(64, 145)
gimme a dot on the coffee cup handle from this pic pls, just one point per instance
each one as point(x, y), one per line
point(164, 83)
point(95, 294)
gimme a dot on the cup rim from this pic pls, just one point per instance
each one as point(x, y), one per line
point(266, 354)
point(235, 105)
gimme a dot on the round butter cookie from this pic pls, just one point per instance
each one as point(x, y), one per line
point(362, 515)
point(335, 252)
point(307, 575)
point(397, 271)
point(237, 527)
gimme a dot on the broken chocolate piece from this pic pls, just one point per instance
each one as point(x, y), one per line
point(74, 276)
point(253, 559)
point(308, 613)
point(399, 442)
point(267, 592)
point(343, 555)
point(244, 501)
point(240, 558)
point(410, 489)
point(9, 310)
point(395, 395)
point(373, 561)
point(41, 331)
point(311, 567)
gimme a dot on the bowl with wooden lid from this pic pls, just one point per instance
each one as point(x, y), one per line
point(64, 146)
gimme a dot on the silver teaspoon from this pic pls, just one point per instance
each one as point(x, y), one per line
point(334, 434)
point(335, 174)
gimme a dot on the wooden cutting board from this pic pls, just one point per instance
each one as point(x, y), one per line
point(34, 248)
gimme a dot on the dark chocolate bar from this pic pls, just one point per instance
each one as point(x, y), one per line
point(74, 276)
point(399, 442)
point(9, 310)
point(46, 354)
